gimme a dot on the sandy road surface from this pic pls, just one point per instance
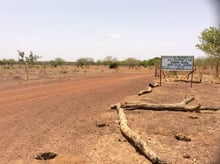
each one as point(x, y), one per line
point(61, 117)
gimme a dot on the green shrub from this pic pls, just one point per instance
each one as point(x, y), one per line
point(57, 62)
point(113, 65)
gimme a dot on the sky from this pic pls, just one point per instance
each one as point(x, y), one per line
point(72, 29)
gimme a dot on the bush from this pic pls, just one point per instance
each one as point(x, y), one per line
point(8, 62)
point(57, 62)
point(84, 62)
point(131, 62)
point(113, 65)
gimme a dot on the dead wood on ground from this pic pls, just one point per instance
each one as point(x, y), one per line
point(189, 81)
point(148, 90)
point(135, 138)
point(214, 108)
point(182, 138)
point(186, 81)
point(182, 106)
point(154, 85)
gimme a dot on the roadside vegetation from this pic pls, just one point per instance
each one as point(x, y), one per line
point(27, 61)
point(108, 61)
point(26, 66)
point(209, 42)
point(57, 62)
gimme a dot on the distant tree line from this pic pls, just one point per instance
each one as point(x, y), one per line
point(8, 62)
point(112, 62)
point(205, 62)
point(209, 42)
point(109, 61)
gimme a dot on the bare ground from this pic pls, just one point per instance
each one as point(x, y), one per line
point(61, 116)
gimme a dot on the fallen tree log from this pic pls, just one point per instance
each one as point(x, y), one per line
point(154, 85)
point(148, 90)
point(135, 138)
point(214, 108)
point(184, 102)
point(160, 107)
point(182, 106)
point(186, 81)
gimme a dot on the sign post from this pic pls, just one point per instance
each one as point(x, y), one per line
point(177, 63)
point(160, 69)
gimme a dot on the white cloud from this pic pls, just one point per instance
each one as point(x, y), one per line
point(114, 35)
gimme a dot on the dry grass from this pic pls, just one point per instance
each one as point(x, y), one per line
point(48, 72)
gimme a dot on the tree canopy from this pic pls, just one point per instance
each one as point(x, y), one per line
point(209, 42)
point(84, 62)
point(57, 61)
point(28, 61)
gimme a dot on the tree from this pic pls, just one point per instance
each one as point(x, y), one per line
point(8, 62)
point(131, 62)
point(113, 65)
point(204, 62)
point(154, 61)
point(109, 60)
point(209, 42)
point(144, 63)
point(151, 62)
point(56, 62)
point(199, 61)
point(27, 61)
point(84, 62)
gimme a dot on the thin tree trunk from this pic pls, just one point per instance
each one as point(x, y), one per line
point(217, 66)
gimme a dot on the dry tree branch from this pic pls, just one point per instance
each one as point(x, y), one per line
point(147, 90)
point(135, 138)
point(182, 106)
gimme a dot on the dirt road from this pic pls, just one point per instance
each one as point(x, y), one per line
point(61, 117)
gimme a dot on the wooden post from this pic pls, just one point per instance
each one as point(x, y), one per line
point(192, 72)
point(160, 69)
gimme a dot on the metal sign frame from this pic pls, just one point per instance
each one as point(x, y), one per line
point(177, 63)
